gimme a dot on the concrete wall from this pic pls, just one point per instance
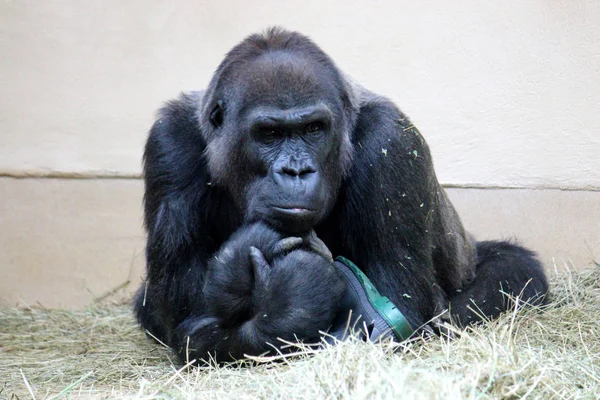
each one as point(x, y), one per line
point(506, 93)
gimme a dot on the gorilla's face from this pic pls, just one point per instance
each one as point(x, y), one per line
point(280, 140)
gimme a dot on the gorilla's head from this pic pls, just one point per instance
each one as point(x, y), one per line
point(278, 118)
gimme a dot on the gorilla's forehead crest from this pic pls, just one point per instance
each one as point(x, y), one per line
point(284, 79)
point(278, 67)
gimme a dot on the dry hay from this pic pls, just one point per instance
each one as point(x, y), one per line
point(100, 352)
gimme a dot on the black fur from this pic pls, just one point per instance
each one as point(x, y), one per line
point(498, 284)
point(283, 145)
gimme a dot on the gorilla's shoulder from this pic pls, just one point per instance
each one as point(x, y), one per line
point(180, 113)
point(381, 124)
point(177, 119)
point(176, 128)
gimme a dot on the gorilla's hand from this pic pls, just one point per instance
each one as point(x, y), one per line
point(258, 265)
point(262, 286)
point(296, 295)
point(231, 279)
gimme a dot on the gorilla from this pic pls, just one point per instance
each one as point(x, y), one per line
point(283, 161)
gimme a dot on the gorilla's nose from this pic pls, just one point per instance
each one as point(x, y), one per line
point(298, 179)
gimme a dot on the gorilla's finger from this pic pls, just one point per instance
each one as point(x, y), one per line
point(318, 246)
point(286, 245)
point(260, 266)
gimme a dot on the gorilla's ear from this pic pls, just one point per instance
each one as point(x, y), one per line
point(216, 115)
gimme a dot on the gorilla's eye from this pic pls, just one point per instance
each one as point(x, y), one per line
point(314, 127)
point(270, 134)
point(216, 115)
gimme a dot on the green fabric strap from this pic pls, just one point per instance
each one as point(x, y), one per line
point(382, 304)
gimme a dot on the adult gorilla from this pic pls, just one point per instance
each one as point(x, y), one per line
point(249, 183)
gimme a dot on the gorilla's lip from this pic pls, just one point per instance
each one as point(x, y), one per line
point(296, 211)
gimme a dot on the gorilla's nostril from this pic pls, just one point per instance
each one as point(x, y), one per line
point(306, 171)
point(300, 172)
point(291, 171)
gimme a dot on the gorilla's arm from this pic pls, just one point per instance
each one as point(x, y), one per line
point(176, 186)
point(393, 219)
point(288, 294)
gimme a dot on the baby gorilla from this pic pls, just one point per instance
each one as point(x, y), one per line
point(262, 285)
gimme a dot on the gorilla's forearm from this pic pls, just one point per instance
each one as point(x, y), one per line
point(265, 330)
point(206, 337)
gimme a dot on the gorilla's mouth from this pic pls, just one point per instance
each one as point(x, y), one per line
point(294, 219)
point(295, 211)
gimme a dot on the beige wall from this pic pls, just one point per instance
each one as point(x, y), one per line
point(506, 93)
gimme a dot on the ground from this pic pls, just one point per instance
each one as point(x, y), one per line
point(100, 352)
